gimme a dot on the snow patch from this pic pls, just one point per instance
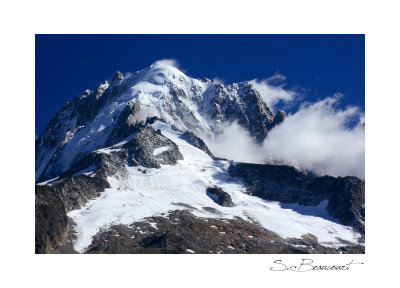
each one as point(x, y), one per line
point(48, 181)
point(154, 225)
point(158, 151)
point(88, 171)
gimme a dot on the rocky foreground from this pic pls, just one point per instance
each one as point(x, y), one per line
point(181, 232)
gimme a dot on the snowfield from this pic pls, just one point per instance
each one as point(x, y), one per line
point(159, 191)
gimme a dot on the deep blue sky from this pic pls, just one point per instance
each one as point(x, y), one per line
point(321, 65)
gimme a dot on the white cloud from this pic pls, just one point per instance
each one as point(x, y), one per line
point(234, 143)
point(218, 80)
point(276, 78)
point(315, 138)
point(272, 90)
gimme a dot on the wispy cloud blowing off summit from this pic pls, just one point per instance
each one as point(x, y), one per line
point(168, 62)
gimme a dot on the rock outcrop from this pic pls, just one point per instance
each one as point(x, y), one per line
point(192, 139)
point(151, 149)
point(345, 195)
point(181, 232)
point(278, 118)
point(51, 227)
point(219, 196)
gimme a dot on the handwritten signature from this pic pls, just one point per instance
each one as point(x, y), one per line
point(307, 265)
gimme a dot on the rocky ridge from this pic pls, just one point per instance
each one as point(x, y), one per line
point(345, 195)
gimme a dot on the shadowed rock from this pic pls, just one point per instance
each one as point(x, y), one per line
point(279, 117)
point(50, 220)
point(142, 149)
point(197, 142)
point(219, 196)
point(345, 195)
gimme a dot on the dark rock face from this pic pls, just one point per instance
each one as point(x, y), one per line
point(345, 195)
point(50, 220)
point(220, 197)
point(103, 164)
point(67, 246)
point(274, 182)
point(123, 128)
point(117, 76)
point(142, 149)
point(182, 232)
point(74, 192)
point(250, 112)
point(279, 117)
point(192, 139)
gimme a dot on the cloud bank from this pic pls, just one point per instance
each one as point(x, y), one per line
point(316, 138)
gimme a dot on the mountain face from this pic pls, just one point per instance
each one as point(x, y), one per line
point(102, 118)
point(123, 169)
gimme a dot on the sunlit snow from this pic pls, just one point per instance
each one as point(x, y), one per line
point(141, 195)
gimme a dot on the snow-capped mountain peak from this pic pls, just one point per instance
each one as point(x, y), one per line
point(159, 90)
point(128, 157)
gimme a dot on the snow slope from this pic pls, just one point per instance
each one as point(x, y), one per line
point(140, 195)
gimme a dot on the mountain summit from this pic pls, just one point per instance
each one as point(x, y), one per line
point(96, 119)
point(124, 169)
